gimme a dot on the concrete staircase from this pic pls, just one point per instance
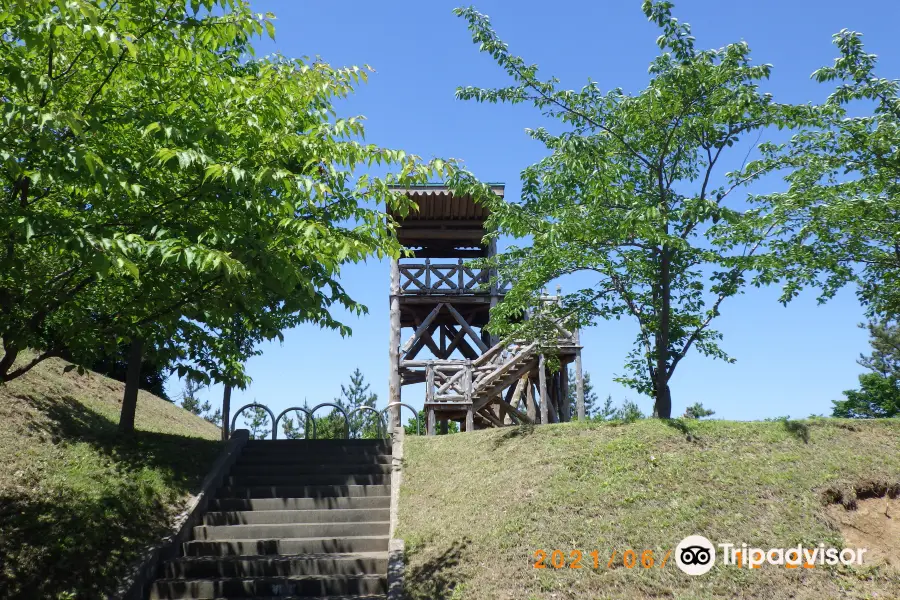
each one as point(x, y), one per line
point(295, 519)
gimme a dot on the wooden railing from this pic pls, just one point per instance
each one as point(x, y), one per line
point(443, 278)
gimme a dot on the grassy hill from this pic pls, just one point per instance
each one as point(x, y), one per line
point(475, 507)
point(77, 502)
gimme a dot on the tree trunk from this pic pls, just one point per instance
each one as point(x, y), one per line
point(132, 383)
point(663, 404)
point(10, 353)
point(226, 412)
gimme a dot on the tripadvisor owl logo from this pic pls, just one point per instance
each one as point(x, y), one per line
point(695, 555)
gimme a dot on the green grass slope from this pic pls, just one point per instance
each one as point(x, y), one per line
point(77, 502)
point(475, 507)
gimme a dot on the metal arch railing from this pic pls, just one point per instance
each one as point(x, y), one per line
point(313, 410)
point(309, 419)
point(414, 411)
point(253, 405)
point(378, 414)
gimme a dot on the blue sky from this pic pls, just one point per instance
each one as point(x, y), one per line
point(790, 360)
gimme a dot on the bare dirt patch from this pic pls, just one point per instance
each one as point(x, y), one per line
point(874, 525)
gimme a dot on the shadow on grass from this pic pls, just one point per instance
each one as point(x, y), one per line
point(79, 526)
point(178, 458)
point(680, 425)
point(436, 578)
point(797, 429)
point(74, 543)
point(510, 433)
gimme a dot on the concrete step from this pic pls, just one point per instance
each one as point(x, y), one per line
point(263, 517)
point(289, 458)
point(268, 547)
point(303, 491)
point(276, 566)
point(337, 502)
point(308, 479)
point(341, 443)
point(311, 586)
point(290, 530)
point(364, 468)
point(318, 446)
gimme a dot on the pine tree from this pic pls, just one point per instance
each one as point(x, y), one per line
point(259, 426)
point(590, 396)
point(190, 401)
point(363, 424)
point(879, 393)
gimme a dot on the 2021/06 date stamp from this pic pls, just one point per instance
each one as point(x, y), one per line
point(577, 559)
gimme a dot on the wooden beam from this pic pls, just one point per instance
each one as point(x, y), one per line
point(426, 234)
point(394, 348)
point(468, 329)
point(430, 421)
point(566, 408)
point(522, 417)
point(520, 387)
point(428, 341)
point(458, 336)
point(579, 380)
point(487, 414)
point(420, 343)
point(545, 400)
point(530, 405)
point(554, 399)
point(422, 328)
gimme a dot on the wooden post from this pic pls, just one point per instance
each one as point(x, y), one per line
point(467, 386)
point(530, 406)
point(226, 412)
point(430, 421)
point(461, 277)
point(542, 378)
point(552, 404)
point(427, 274)
point(429, 398)
point(566, 408)
point(394, 350)
point(444, 427)
point(495, 291)
point(579, 380)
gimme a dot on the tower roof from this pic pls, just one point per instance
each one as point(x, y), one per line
point(444, 225)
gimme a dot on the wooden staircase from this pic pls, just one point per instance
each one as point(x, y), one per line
point(473, 389)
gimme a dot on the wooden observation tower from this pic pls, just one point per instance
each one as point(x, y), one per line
point(470, 377)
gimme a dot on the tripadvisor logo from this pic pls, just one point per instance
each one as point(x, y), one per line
point(695, 555)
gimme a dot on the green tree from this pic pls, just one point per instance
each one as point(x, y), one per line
point(698, 411)
point(879, 393)
point(410, 427)
point(590, 396)
point(258, 423)
point(159, 179)
point(294, 430)
point(362, 425)
point(113, 363)
point(192, 403)
point(629, 412)
point(631, 194)
point(839, 219)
